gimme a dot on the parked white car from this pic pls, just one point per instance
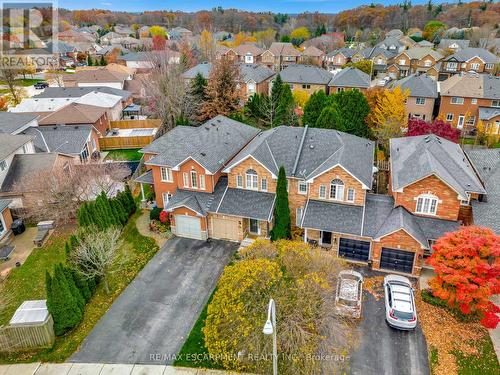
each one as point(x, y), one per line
point(400, 311)
point(349, 294)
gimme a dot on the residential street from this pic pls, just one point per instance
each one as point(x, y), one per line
point(156, 312)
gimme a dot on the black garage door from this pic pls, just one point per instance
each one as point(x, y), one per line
point(354, 249)
point(397, 260)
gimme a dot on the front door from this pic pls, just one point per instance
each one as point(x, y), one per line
point(460, 123)
point(326, 238)
point(254, 226)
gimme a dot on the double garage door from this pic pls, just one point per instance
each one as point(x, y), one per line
point(188, 226)
point(354, 249)
point(397, 260)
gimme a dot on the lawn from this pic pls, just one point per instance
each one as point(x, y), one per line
point(194, 353)
point(134, 253)
point(25, 82)
point(130, 154)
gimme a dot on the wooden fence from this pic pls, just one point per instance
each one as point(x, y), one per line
point(135, 124)
point(17, 337)
point(116, 143)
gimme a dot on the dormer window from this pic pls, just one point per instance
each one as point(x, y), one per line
point(194, 180)
point(426, 204)
point(337, 189)
point(252, 180)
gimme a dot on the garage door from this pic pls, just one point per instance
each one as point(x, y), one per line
point(188, 226)
point(354, 249)
point(397, 260)
point(225, 229)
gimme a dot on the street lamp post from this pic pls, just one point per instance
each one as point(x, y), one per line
point(270, 328)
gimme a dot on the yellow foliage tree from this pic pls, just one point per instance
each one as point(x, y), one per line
point(265, 37)
point(241, 38)
point(487, 133)
point(300, 33)
point(207, 45)
point(157, 31)
point(301, 97)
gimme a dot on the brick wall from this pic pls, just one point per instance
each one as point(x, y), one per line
point(470, 107)
point(349, 181)
point(423, 112)
point(262, 172)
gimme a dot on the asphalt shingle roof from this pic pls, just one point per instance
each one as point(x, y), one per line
point(25, 164)
point(471, 85)
point(307, 74)
point(10, 143)
point(446, 43)
point(468, 53)
point(198, 201)
point(413, 158)
point(256, 72)
point(11, 122)
point(333, 217)
point(419, 85)
point(211, 144)
point(246, 203)
point(487, 113)
point(77, 92)
point(65, 139)
point(4, 203)
point(351, 77)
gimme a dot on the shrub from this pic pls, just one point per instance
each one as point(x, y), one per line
point(154, 214)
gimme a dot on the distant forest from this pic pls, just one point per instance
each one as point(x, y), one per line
point(372, 17)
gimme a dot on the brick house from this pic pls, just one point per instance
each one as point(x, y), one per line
point(414, 60)
point(423, 94)
point(335, 60)
point(463, 96)
point(477, 60)
point(349, 78)
point(329, 175)
point(248, 53)
point(280, 55)
point(308, 78)
point(312, 55)
point(5, 220)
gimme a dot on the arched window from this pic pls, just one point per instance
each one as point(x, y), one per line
point(251, 179)
point(337, 189)
point(426, 204)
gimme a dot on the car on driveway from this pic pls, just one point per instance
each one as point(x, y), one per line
point(41, 85)
point(400, 309)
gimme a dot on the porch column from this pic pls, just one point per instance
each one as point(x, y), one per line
point(143, 200)
point(305, 235)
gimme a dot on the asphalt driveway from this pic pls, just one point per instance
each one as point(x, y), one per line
point(385, 350)
point(152, 318)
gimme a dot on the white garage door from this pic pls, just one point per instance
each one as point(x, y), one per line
point(188, 226)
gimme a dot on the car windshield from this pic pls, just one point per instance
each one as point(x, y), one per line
point(403, 315)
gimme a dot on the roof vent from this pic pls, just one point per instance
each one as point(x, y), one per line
point(203, 154)
point(311, 146)
point(207, 128)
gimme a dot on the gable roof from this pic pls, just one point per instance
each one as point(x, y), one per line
point(250, 48)
point(417, 53)
point(203, 68)
point(211, 144)
point(414, 158)
point(446, 43)
point(283, 49)
point(468, 53)
point(96, 76)
point(310, 74)
point(351, 77)
point(63, 139)
point(12, 123)
point(312, 51)
point(255, 72)
point(74, 113)
point(487, 113)
point(78, 92)
point(472, 85)
point(308, 152)
point(9, 143)
point(347, 52)
point(419, 85)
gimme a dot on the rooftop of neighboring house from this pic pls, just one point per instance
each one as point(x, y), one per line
point(390, 42)
point(460, 43)
point(203, 68)
point(488, 113)
point(60, 47)
point(306, 74)
point(419, 85)
point(112, 67)
point(417, 53)
point(425, 43)
point(487, 165)
point(111, 35)
point(347, 52)
point(96, 76)
point(255, 72)
point(24, 165)
point(414, 158)
point(467, 54)
point(283, 49)
point(371, 52)
point(351, 77)
point(148, 56)
point(78, 92)
point(13, 123)
point(104, 50)
point(472, 85)
point(65, 139)
point(75, 35)
point(74, 113)
point(4, 203)
point(248, 48)
point(9, 143)
point(211, 144)
point(308, 152)
point(312, 51)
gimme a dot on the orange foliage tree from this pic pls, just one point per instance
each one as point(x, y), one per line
point(467, 267)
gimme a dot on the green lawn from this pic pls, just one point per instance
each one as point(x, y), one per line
point(130, 154)
point(134, 253)
point(486, 363)
point(194, 352)
point(25, 82)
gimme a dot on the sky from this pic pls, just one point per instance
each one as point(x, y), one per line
point(283, 6)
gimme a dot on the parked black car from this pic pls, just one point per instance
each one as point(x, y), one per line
point(41, 85)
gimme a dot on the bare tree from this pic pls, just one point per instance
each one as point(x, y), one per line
point(56, 193)
point(166, 90)
point(95, 253)
point(9, 76)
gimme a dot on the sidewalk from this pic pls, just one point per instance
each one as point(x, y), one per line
point(101, 369)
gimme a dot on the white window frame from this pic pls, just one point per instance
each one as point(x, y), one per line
point(202, 182)
point(427, 63)
point(239, 180)
point(473, 101)
point(306, 86)
point(339, 190)
point(3, 227)
point(488, 66)
point(166, 174)
point(263, 184)
point(420, 101)
point(465, 202)
point(251, 180)
point(322, 191)
point(452, 66)
point(302, 184)
point(474, 66)
point(457, 100)
point(449, 117)
point(470, 121)
point(349, 192)
point(402, 62)
point(185, 179)
point(165, 201)
point(194, 179)
point(299, 211)
point(426, 204)
point(495, 103)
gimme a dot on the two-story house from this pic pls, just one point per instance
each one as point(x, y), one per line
point(468, 59)
point(280, 55)
point(422, 98)
point(415, 60)
point(380, 57)
point(248, 53)
point(463, 96)
point(349, 78)
point(309, 78)
point(312, 55)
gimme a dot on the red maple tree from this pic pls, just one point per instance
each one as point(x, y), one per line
point(159, 43)
point(438, 127)
point(467, 267)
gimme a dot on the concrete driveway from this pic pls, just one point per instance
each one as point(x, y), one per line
point(152, 318)
point(385, 350)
